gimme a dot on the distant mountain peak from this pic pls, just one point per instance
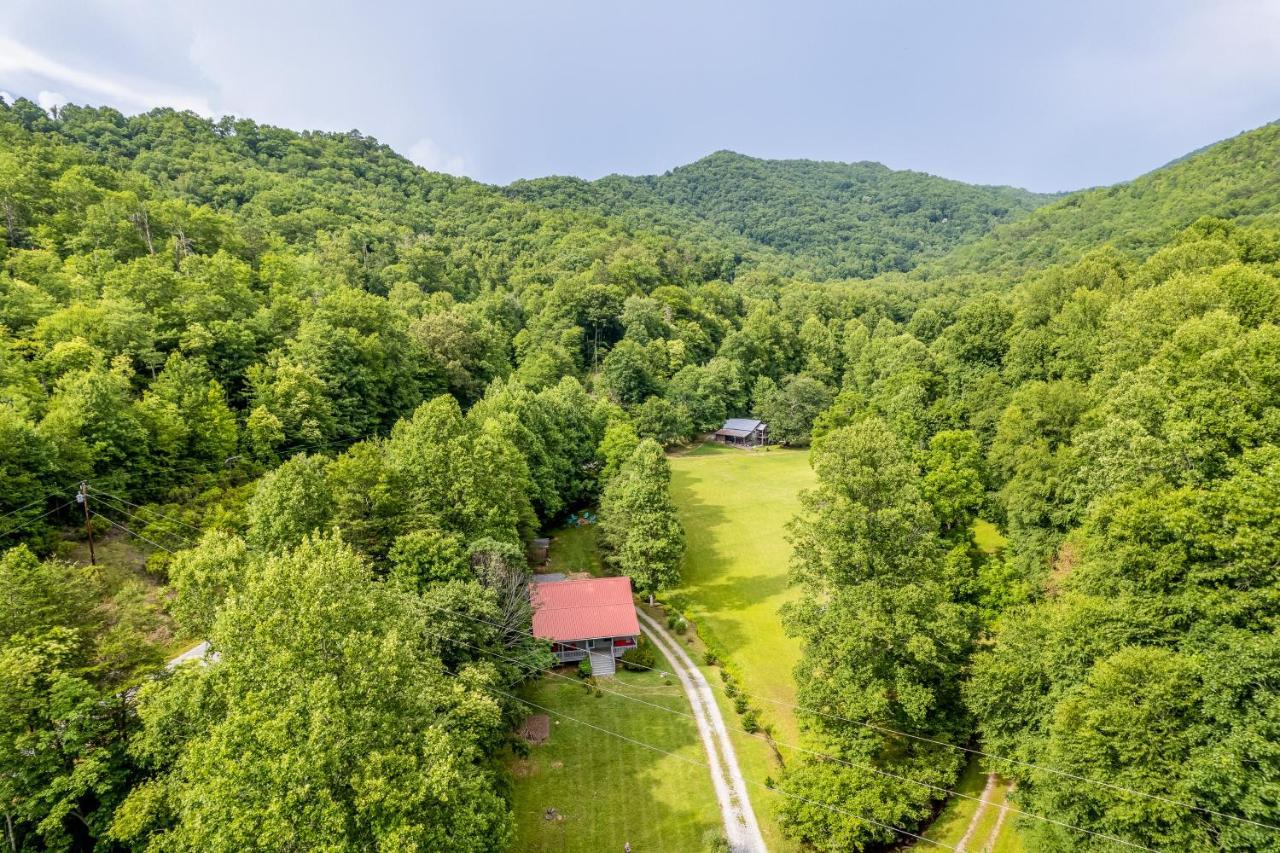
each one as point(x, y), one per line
point(825, 219)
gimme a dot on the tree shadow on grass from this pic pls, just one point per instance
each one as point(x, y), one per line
point(732, 596)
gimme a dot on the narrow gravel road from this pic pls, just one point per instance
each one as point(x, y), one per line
point(731, 789)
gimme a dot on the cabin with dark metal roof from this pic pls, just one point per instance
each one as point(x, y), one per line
point(743, 432)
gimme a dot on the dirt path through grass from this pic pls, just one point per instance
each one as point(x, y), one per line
point(740, 822)
point(994, 837)
point(985, 798)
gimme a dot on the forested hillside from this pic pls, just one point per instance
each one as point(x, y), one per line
point(1118, 414)
point(189, 306)
point(328, 396)
point(825, 220)
point(1239, 177)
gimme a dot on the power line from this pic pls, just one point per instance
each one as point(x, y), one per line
point(624, 737)
point(97, 514)
point(154, 512)
point(1064, 773)
point(35, 502)
point(31, 521)
point(965, 749)
point(532, 669)
point(228, 462)
point(853, 764)
point(183, 542)
point(1042, 768)
point(707, 766)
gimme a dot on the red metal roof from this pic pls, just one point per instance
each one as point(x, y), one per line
point(588, 609)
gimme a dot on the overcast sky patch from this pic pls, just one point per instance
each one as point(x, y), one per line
point(1050, 96)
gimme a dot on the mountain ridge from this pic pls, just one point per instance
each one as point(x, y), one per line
point(1237, 177)
point(839, 220)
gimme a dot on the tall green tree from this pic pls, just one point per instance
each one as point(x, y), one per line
point(790, 408)
point(395, 752)
point(289, 503)
point(882, 643)
point(70, 655)
point(638, 523)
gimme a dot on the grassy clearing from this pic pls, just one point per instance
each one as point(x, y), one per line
point(122, 561)
point(1011, 838)
point(734, 506)
point(607, 791)
point(950, 825)
point(953, 821)
point(988, 537)
point(574, 549)
point(710, 448)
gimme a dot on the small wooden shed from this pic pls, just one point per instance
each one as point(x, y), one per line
point(538, 550)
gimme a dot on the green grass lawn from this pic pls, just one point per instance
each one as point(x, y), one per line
point(756, 757)
point(950, 825)
point(734, 506)
point(1011, 839)
point(987, 536)
point(607, 791)
point(954, 819)
point(573, 549)
point(708, 448)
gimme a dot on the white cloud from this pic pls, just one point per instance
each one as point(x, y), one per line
point(49, 101)
point(429, 155)
point(6, 97)
point(16, 58)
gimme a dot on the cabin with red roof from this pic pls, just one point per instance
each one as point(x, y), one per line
point(590, 617)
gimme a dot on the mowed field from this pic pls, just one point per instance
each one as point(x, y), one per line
point(606, 791)
point(734, 506)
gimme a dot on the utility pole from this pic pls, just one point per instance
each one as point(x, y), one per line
point(83, 499)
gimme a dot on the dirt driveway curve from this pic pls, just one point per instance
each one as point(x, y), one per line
point(731, 789)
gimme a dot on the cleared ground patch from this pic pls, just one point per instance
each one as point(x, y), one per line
point(122, 561)
point(605, 791)
point(573, 549)
point(981, 827)
point(735, 505)
point(987, 536)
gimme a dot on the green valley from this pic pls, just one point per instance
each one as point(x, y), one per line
point(288, 393)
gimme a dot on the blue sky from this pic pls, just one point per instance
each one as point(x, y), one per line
point(1046, 95)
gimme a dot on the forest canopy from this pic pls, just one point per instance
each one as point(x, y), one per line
point(825, 220)
point(334, 394)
